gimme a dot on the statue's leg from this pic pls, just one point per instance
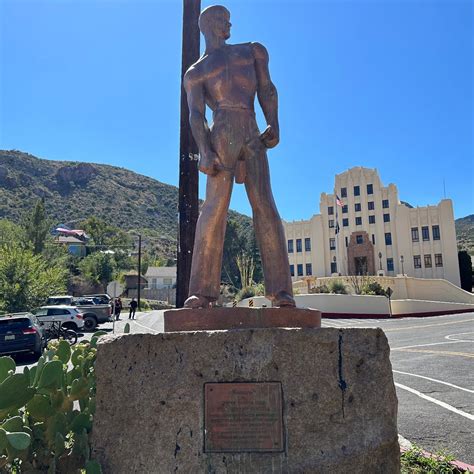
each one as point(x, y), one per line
point(269, 230)
point(204, 286)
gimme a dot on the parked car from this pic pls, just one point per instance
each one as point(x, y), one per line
point(103, 298)
point(69, 316)
point(94, 314)
point(21, 333)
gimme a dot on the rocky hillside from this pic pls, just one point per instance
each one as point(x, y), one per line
point(74, 191)
point(465, 233)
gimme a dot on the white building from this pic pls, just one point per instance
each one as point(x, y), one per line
point(377, 234)
point(161, 277)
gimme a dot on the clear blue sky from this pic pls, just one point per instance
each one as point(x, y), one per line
point(378, 83)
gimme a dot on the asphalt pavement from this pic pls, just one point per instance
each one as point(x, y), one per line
point(432, 361)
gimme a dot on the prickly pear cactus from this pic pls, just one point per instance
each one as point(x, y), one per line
point(46, 412)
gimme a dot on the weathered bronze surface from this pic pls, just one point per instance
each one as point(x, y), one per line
point(226, 78)
point(243, 417)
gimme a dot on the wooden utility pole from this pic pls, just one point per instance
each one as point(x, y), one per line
point(188, 154)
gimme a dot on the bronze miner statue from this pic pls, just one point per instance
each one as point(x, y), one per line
point(226, 78)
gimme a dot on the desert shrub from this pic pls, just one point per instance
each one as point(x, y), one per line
point(373, 288)
point(338, 287)
point(320, 289)
point(46, 412)
point(246, 292)
point(415, 461)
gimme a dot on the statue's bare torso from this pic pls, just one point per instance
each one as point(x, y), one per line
point(228, 76)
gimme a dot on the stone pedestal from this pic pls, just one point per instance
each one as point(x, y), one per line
point(272, 401)
point(216, 319)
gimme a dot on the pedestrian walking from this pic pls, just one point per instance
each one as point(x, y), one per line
point(133, 308)
point(118, 308)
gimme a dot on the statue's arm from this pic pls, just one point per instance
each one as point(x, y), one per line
point(209, 162)
point(267, 95)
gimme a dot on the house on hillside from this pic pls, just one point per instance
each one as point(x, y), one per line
point(75, 245)
point(161, 277)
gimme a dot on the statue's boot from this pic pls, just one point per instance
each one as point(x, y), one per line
point(283, 298)
point(197, 301)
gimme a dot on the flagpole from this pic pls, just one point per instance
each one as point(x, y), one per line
point(336, 233)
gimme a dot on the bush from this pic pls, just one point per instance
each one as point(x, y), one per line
point(338, 287)
point(373, 288)
point(320, 289)
point(414, 461)
point(46, 412)
point(246, 292)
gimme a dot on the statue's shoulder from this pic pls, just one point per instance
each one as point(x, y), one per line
point(195, 72)
point(259, 51)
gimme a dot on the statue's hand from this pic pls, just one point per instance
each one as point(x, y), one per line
point(270, 137)
point(210, 163)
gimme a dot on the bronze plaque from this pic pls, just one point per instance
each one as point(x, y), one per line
point(243, 417)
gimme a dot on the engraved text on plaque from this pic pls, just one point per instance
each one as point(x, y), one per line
point(243, 417)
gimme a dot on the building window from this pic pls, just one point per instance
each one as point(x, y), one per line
point(307, 244)
point(370, 189)
point(371, 205)
point(290, 246)
point(415, 235)
point(436, 234)
point(390, 264)
point(298, 245)
point(417, 261)
point(371, 219)
point(425, 233)
point(344, 209)
point(358, 220)
point(388, 238)
point(347, 241)
point(386, 217)
point(356, 190)
point(343, 192)
point(332, 244)
point(299, 269)
point(385, 204)
point(331, 210)
point(427, 261)
point(438, 260)
point(357, 206)
point(345, 222)
point(309, 269)
point(359, 239)
point(333, 267)
point(373, 239)
point(292, 270)
point(331, 223)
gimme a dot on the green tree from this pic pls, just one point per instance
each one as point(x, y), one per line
point(105, 236)
point(37, 227)
point(98, 267)
point(233, 245)
point(26, 279)
point(465, 270)
point(11, 232)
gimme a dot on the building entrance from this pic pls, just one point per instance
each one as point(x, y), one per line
point(360, 255)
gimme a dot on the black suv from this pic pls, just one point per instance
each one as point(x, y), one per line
point(21, 333)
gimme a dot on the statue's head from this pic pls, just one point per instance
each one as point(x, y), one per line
point(214, 21)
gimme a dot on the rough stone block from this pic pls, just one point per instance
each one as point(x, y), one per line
point(338, 401)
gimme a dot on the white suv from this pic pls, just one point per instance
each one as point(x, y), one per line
point(69, 316)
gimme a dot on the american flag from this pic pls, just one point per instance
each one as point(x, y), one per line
point(338, 201)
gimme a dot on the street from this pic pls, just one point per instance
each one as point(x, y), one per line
point(432, 361)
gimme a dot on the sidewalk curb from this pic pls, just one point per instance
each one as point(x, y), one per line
point(406, 445)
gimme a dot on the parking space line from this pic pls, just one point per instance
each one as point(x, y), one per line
point(437, 402)
point(145, 327)
point(428, 325)
point(425, 345)
point(434, 380)
point(459, 354)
